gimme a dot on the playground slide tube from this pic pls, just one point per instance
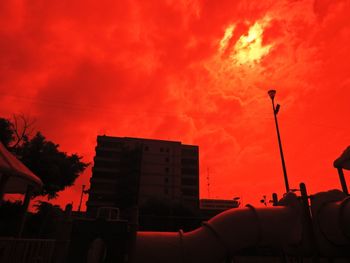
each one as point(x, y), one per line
point(222, 236)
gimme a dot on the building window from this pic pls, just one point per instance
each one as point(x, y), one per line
point(189, 152)
point(109, 144)
point(190, 192)
point(167, 159)
point(166, 180)
point(167, 169)
point(146, 148)
point(167, 150)
point(189, 161)
point(189, 171)
point(161, 149)
point(189, 181)
point(166, 191)
point(110, 164)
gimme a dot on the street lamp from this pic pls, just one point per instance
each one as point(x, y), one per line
point(272, 94)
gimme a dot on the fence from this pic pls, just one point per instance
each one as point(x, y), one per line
point(14, 250)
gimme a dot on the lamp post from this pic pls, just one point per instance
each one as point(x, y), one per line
point(272, 94)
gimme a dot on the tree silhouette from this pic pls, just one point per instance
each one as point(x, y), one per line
point(6, 132)
point(55, 168)
point(16, 131)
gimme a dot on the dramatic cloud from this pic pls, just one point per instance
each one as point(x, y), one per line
point(192, 71)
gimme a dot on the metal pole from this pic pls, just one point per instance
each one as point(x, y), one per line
point(342, 181)
point(274, 199)
point(81, 197)
point(311, 239)
point(24, 210)
point(280, 147)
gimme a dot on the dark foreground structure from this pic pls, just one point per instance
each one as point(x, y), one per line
point(286, 231)
point(291, 231)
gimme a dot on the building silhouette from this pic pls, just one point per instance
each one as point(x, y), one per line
point(129, 172)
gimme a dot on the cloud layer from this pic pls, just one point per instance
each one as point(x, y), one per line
point(192, 71)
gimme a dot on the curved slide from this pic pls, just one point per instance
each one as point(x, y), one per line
point(223, 235)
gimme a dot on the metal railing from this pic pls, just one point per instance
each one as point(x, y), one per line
point(18, 250)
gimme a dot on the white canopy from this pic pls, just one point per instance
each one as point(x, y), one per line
point(19, 176)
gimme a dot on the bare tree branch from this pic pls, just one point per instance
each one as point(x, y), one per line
point(22, 127)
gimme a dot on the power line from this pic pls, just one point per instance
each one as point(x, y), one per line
point(80, 107)
point(90, 107)
point(102, 108)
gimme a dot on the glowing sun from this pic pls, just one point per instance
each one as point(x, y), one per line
point(249, 48)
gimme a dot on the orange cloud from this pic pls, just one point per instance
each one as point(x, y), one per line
point(192, 71)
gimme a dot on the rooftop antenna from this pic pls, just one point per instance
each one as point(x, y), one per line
point(208, 182)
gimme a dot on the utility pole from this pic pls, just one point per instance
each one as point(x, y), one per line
point(81, 196)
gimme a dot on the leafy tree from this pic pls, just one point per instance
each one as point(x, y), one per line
point(56, 169)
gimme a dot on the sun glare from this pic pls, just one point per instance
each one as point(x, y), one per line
point(226, 39)
point(249, 48)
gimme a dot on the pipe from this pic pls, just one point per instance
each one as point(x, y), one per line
point(331, 217)
point(333, 222)
point(223, 235)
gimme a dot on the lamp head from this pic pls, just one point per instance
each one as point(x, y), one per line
point(277, 109)
point(272, 93)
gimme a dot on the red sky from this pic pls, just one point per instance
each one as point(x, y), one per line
point(191, 71)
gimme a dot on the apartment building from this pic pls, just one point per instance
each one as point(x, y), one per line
point(131, 171)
